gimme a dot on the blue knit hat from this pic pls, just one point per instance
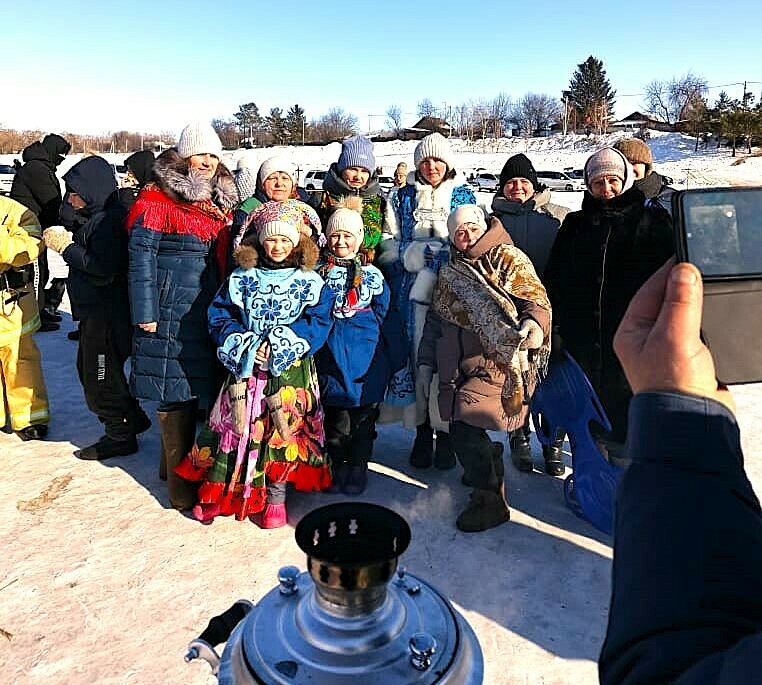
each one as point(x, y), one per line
point(357, 151)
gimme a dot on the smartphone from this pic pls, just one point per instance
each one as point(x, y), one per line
point(719, 230)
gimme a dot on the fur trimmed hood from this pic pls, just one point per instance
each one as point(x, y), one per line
point(304, 256)
point(174, 176)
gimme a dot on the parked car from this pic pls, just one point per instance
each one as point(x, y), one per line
point(120, 172)
point(386, 183)
point(575, 173)
point(6, 178)
point(314, 179)
point(485, 181)
point(560, 180)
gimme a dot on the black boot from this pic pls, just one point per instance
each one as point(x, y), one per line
point(422, 455)
point(553, 456)
point(487, 509)
point(444, 454)
point(108, 447)
point(497, 457)
point(357, 479)
point(521, 451)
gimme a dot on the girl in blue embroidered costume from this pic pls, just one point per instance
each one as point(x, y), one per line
point(352, 367)
point(415, 245)
point(266, 427)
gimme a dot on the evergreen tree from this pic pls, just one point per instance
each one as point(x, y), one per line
point(249, 120)
point(277, 126)
point(296, 123)
point(591, 94)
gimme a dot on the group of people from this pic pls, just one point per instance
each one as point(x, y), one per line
point(332, 311)
point(420, 307)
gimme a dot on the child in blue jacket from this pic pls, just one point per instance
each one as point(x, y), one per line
point(352, 367)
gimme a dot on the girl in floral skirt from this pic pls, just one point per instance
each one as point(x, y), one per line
point(266, 427)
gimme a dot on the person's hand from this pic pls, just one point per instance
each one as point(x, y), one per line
point(658, 341)
point(263, 353)
point(423, 377)
point(532, 335)
point(57, 238)
point(148, 327)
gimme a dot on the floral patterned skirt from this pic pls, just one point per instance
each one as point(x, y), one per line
point(234, 465)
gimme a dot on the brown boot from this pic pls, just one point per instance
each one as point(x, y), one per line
point(162, 461)
point(178, 432)
point(486, 510)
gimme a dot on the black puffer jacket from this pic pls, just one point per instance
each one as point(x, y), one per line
point(601, 256)
point(97, 258)
point(532, 225)
point(35, 184)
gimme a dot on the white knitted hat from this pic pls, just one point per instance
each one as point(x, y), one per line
point(245, 182)
point(465, 214)
point(199, 138)
point(349, 220)
point(274, 164)
point(434, 145)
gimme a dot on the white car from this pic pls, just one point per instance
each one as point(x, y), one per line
point(314, 179)
point(7, 172)
point(485, 181)
point(386, 183)
point(560, 180)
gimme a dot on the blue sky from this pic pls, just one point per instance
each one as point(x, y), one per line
point(153, 66)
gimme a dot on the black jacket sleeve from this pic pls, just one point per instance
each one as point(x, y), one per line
point(686, 605)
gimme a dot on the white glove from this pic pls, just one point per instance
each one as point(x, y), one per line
point(532, 334)
point(57, 238)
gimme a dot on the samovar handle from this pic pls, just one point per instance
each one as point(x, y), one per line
point(218, 631)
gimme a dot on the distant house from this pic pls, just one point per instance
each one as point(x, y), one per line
point(638, 120)
point(425, 126)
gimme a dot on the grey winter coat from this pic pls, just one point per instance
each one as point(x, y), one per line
point(532, 225)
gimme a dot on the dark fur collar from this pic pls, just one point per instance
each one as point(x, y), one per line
point(305, 255)
point(175, 178)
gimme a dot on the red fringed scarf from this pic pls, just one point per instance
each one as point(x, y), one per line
point(159, 212)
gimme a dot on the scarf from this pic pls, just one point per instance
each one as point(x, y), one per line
point(354, 275)
point(477, 295)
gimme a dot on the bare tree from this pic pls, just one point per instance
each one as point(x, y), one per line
point(426, 108)
point(335, 125)
point(673, 100)
point(535, 112)
point(500, 110)
point(394, 118)
point(227, 130)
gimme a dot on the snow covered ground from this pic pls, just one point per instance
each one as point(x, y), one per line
point(101, 582)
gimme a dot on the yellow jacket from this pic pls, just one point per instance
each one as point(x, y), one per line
point(20, 244)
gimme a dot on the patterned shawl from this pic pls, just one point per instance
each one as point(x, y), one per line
point(477, 294)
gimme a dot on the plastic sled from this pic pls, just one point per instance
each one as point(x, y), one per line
point(568, 403)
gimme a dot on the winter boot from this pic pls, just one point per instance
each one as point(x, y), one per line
point(497, 458)
point(553, 456)
point(340, 472)
point(521, 451)
point(272, 516)
point(487, 509)
point(444, 454)
point(108, 447)
point(178, 431)
point(357, 480)
point(138, 421)
point(422, 455)
point(37, 431)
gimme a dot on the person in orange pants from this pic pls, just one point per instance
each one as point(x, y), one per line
point(24, 396)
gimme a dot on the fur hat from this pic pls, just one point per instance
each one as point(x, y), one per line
point(636, 151)
point(270, 166)
point(465, 214)
point(199, 138)
point(347, 218)
point(357, 151)
point(290, 218)
point(434, 145)
point(609, 162)
point(518, 166)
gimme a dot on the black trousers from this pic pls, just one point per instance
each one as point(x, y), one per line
point(477, 456)
point(349, 433)
point(104, 346)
